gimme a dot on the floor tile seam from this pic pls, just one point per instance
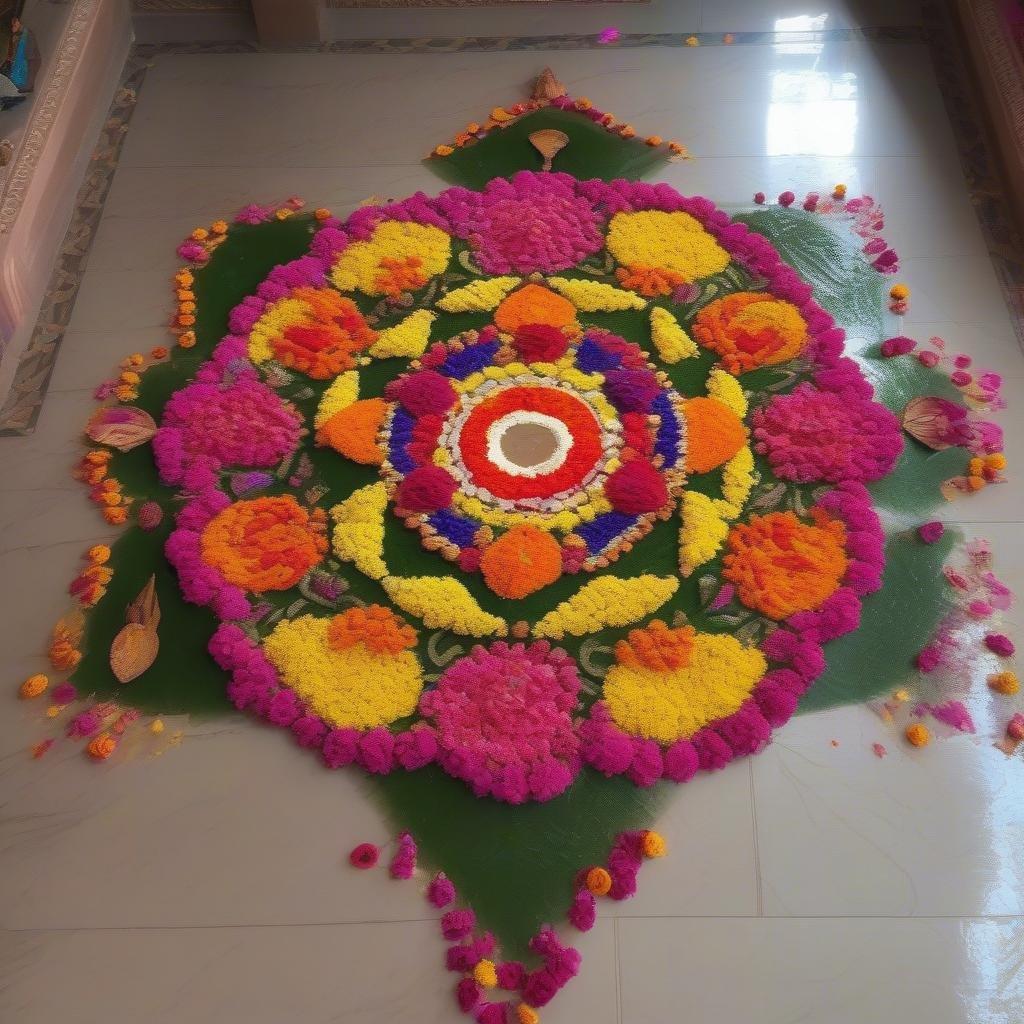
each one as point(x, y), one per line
point(370, 922)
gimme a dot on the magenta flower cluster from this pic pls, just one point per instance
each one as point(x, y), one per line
point(811, 434)
point(532, 222)
point(503, 717)
point(209, 425)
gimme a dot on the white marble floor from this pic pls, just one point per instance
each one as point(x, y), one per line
point(812, 883)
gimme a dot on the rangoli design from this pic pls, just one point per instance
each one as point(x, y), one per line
point(556, 480)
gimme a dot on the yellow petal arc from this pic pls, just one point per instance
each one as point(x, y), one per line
point(407, 339)
point(594, 296)
point(358, 535)
point(607, 601)
point(442, 603)
point(344, 390)
point(704, 529)
point(671, 341)
point(724, 387)
point(478, 296)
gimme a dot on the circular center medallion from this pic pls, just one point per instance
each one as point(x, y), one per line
point(528, 443)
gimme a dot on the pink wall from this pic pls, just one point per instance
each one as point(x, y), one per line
point(74, 91)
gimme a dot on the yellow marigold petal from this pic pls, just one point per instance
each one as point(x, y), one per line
point(670, 339)
point(724, 387)
point(670, 705)
point(478, 296)
point(352, 688)
point(595, 296)
point(607, 601)
point(358, 535)
point(407, 339)
point(669, 241)
point(738, 479)
point(342, 393)
point(704, 529)
point(443, 603)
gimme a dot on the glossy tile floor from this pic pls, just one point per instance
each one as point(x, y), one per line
point(812, 883)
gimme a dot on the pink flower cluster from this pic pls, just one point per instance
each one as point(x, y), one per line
point(207, 426)
point(531, 222)
point(811, 434)
point(503, 717)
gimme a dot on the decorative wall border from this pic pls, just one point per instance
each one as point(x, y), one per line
point(21, 410)
point(44, 111)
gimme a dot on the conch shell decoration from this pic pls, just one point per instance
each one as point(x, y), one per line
point(549, 142)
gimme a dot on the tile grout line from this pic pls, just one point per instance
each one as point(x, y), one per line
point(267, 926)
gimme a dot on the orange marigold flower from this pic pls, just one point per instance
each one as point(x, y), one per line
point(187, 339)
point(326, 344)
point(98, 457)
point(185, 295)
point(443, 150)
point(283, 213)
point(160, 352)
point(714, 434)
point(599, 881)
point(352, 431)
point(375, 626)
point(751, 329)
point(219, 227)
point(781, 565)
point(649, 281)
point(521, 561)
point(264, 544)
point(656, 647)
point(102, 746)
point(395, 276)
point(64, 656)
point(115, 516)
point(200, 234)
point(653, 140)
point(627, 131)
point(322, 213)
point(184, 277)
point(98, 554)
point(188, 306)
point(185, 319)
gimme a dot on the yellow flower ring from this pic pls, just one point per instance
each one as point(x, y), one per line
point(538, 412)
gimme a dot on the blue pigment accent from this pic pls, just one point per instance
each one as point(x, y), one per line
point(604, 529)
point(669, 434)
point(457, 529)
point(471, 359)
point(592, 358)
point(401, 435)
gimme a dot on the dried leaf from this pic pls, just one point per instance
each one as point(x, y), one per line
point(123, 427)
point(145, 609)
point(134, 649)
point(936, 422)
point(136, 645)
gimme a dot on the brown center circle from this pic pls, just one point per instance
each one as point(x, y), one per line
point(528, 444)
